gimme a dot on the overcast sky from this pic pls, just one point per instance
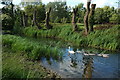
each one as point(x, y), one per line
point(99, 3)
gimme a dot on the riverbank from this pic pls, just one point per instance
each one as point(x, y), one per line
point(77, 63)
point(17, 65)
point(104, 37)
point(33, 49)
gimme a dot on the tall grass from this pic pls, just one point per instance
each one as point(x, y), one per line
point(15, 65)
point(105, 39)
point(34, 50)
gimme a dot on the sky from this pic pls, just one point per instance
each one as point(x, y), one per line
point(99, 3)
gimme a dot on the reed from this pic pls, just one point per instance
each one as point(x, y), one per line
point(104, 38)
point(33, 49)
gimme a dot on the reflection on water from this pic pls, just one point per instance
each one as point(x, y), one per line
point(88, 62)
point(81, 66)
point(73, 60)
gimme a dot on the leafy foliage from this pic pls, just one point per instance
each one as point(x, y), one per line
point(58, 8)
point(40, 15)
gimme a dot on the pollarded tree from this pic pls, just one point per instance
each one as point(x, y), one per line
point(91, 17)
point(35, 22)
point(47, 19)
point(75, 27)
point(86, 17)
point(25, 19)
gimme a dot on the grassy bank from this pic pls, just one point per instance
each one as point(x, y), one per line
point(33, 49)
point(103, 37)
point(16, 65)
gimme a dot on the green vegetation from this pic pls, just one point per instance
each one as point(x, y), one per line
point(34, 50)
point(104, 38)
point(20, 52)
point(16, 65)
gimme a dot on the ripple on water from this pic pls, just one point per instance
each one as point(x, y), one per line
point(78, 65)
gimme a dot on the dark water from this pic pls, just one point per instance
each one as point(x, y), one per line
point(80, 66)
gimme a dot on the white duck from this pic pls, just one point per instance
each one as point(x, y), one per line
point(78, 51)
point(91, 54)
point(86, 54)
point(105, 55)
point(70, 51)
point(99, 55)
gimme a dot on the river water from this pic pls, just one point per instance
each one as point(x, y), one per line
point(80, 66)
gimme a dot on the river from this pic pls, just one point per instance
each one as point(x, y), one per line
point(81, 66)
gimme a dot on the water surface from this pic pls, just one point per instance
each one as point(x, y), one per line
point(80, 66)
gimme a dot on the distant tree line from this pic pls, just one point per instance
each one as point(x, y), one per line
point(59, 13)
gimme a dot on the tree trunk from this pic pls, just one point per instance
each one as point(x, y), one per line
point(34, 18)
point(21, 19)
point(12, 9)
point(35, 21)
point(75, 28)
point(86, 18)
point(91, 17)
point(47, 19)
point(12, 15)
point(25, 18)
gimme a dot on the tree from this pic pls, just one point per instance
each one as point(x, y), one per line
point(40, 13)
point(115, 18)
point(80, 13)
point(75, 28)
point(107, 13)
point(99, 15)
point(8, 22)
point(91, 17)
point(19, 23)
point(103, 15)
point(47, 19)
point(59, 11)
point(25, 19)
point(86, 18)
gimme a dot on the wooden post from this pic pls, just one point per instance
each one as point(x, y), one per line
point(91, 17)
point(86, 17)
point(75, 28)
point(47, 19)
